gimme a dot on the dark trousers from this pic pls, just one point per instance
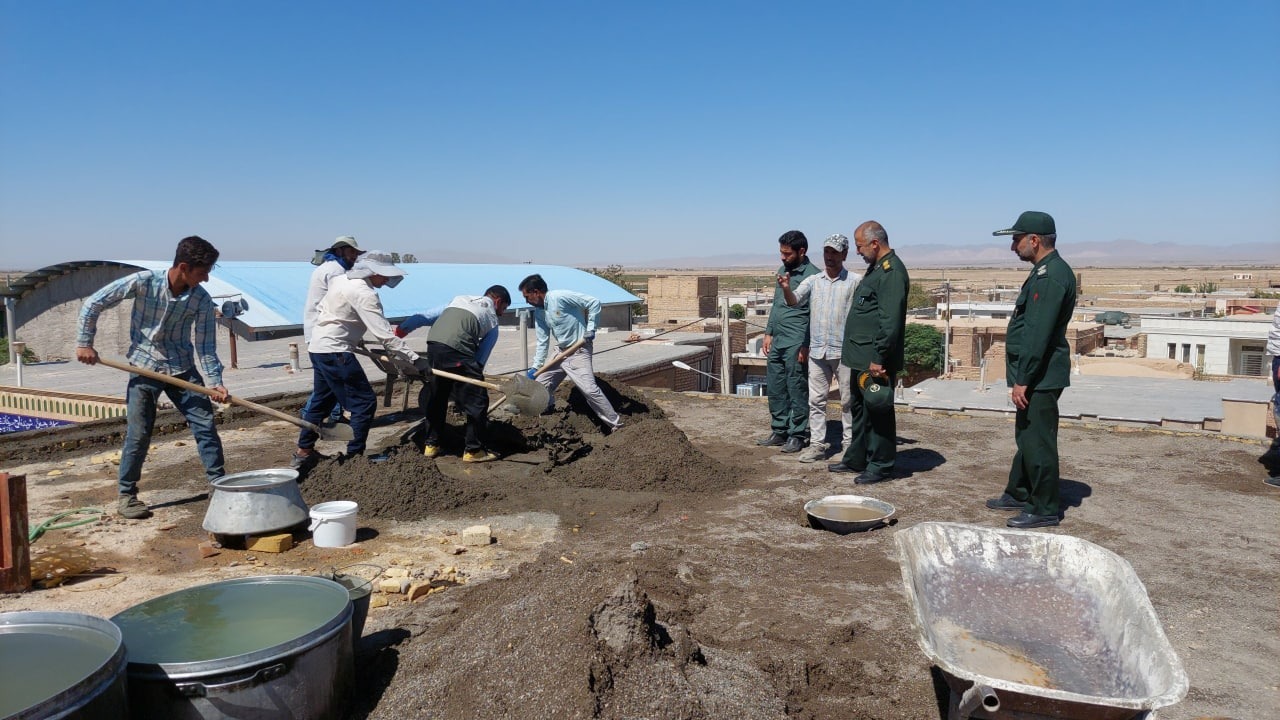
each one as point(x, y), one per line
point(788, 381)
point(472, 400)
point(338, 378)
point(1033, 477)
point(873, 443)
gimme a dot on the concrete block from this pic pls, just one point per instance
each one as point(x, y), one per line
point(377, 601)
point(396, 572)
point(270, 543)
point(477, 535)
point(418, 590)
point(396, 586)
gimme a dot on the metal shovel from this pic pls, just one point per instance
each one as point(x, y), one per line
point(528, 397)
point(337, 432)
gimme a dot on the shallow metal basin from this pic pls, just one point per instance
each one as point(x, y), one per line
point(844, 514)
point(255, 502)
point(1034, 624)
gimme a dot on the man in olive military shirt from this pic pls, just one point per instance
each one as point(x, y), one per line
point(874, 346)
point(784, 335)
point(1038, 368)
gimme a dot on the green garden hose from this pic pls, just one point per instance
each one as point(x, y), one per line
point(49, 524)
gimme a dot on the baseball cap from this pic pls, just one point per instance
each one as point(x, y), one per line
point(376, 262)
point(837, 242)
point(1033, 222)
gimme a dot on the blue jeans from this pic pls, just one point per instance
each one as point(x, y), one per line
point(141, 398)
point(338, 378)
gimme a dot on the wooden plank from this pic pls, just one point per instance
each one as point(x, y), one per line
point(15, 550)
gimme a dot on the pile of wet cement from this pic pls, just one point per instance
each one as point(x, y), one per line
point(648, 454)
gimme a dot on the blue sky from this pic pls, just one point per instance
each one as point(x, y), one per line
point(602, 132)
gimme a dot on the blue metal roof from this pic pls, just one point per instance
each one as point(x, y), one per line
point(276, 291)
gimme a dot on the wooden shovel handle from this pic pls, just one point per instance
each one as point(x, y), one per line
point(465, 379)
point(206, 391)
point(560, 358)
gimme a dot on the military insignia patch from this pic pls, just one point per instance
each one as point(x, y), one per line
point(1042, 270)
point(885, 265)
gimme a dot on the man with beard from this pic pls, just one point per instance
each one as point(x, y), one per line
point(874, 353)
point(785, 334)
point(830, 293)
point(1038, 368)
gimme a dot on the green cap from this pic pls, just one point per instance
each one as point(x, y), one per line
point(876, 393)
point(1031, 222)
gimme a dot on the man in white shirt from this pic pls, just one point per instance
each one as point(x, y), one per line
point(350, 308)
point(1271, 458)
point(335, 261)
point(830, 293)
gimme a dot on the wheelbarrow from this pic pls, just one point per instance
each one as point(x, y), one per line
point(1026, 624)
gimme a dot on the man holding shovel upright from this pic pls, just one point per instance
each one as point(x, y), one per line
point(350, 308)
point(335, 261)
point(169, 310)
point(461, 337)
point(572, 318)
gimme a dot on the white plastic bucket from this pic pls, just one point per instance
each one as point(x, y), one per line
point(333, 524)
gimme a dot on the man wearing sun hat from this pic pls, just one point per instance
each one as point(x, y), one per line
point(350, 309)
point(1037, 368)
point(335, 261)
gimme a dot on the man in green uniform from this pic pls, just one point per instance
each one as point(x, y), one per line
point(873, 344)
point(784, 335)
point(1038, 367)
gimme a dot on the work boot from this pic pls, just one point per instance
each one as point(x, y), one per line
point(1005, 502)
point(774, 440)
point(430, 450)
point(132, 508)
point(1026, 520)
point(301, 462)
point(793, 445)
point(478, 456)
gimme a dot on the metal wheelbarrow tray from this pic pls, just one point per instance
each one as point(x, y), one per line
point(1027, 624)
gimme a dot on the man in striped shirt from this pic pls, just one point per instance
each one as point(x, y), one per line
point(830, 293)
point(170, 309)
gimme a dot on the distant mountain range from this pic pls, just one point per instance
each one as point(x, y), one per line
point(1117, 253)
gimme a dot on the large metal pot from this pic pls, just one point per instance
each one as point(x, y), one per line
point(255, 502)
point(61, 665)
point(277, 646)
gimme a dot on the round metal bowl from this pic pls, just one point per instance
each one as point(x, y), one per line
point(843, 514)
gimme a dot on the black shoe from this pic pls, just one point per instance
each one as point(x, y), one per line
point(1273, 481)
point(773, 440)
point(840, 467)
point(871, 476)
point(1005, 502)
point(793, 445)
point(1025, 519)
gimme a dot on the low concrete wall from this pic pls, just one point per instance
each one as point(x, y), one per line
point(54, 405)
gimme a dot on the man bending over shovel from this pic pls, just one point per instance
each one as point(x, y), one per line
point(461, 337)
point(572, 318)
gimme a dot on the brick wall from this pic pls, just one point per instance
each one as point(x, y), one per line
point(672, 297)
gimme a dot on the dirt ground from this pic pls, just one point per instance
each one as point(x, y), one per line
point(667, 570)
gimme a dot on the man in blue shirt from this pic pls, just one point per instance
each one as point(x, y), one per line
point(169, 310)
point(570, 317)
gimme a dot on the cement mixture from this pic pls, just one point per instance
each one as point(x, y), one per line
point(667, 570)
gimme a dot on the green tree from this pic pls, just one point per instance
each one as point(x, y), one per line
point(1182, 288)
point(923, 348)
point(410, 258)
point(28, 355)
point(1207, 287)
point(737, 311)
point(918, 297)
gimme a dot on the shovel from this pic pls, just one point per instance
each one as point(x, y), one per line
point(529, 398)
point(337, 432)
point(524, 385)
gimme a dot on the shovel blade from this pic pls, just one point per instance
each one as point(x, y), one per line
point(529, 397)
point(339, 432)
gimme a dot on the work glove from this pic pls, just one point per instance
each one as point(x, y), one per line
point(399, 332)
point(423, 365)
point(530, 373)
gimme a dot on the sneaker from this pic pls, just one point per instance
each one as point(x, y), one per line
point(1273, 481)
point(132, 508)
point(431, 451)
point(478, 456)
point(813, 453)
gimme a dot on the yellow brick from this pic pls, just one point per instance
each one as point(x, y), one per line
point(418, 590)
point(270, 543)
